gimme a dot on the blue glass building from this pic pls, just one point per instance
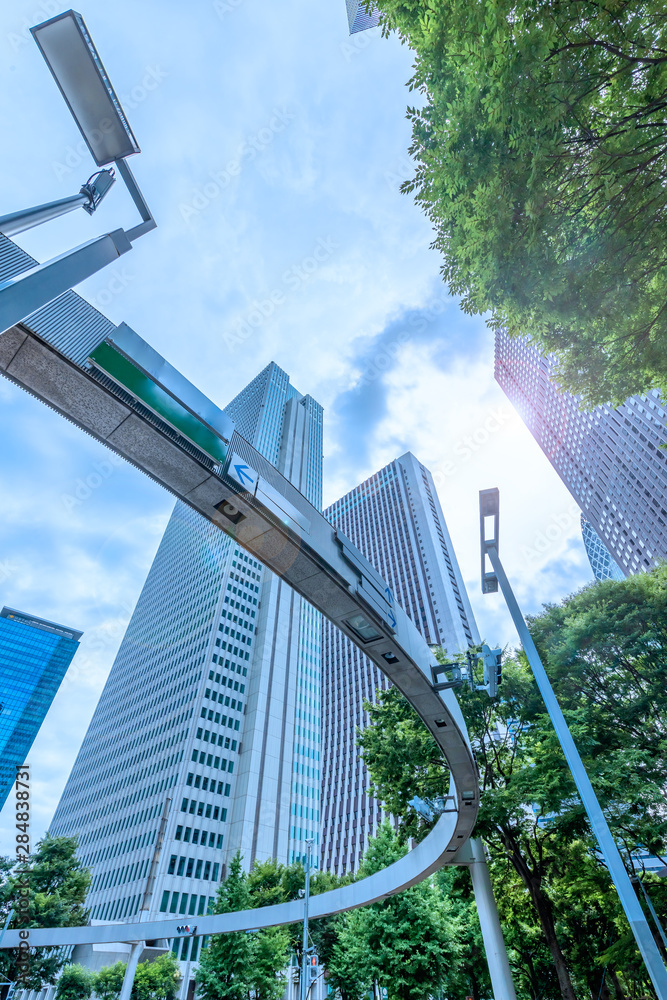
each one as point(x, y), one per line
point(34, 657)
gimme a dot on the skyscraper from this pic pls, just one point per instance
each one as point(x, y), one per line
point(206, 736)
point(603, 564)
point(34, 657)
point(359, 17)
point(395, 519)
point(611, 459)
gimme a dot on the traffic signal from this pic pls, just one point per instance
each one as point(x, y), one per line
point(493, 669)
point(313, 968)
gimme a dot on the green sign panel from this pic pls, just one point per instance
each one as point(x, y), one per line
point(160, 402)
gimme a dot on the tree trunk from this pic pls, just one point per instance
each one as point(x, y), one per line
point(619, 992)
point(545, 915)
point(547, 923)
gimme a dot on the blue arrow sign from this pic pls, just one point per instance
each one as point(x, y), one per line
point(243, 474)
point(388, 594)
point(391, 618)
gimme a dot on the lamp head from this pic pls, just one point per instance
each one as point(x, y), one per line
point(76, 67)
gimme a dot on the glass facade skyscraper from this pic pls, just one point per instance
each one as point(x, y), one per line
point(603, 564)
point(612, 460)
point(206, 737)
point(395, 519)
point(359, 17)
point(34, 657)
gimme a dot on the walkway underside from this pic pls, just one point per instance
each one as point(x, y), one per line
point(278, 526)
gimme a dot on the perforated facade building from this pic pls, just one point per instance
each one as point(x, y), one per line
point(611, 459)
point(359, 17)
point(395, 519)
point(206, 737)
point(603, 564)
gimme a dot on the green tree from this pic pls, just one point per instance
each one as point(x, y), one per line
point(75, 982)
point(157, 980)
point(57, 885)
point(238, 964)
point(539, 154)
point(108, 981)
point(407, 943)
point(604, 649)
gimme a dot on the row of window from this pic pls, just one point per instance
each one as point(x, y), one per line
point(201, 757)
point(216, 717)
point(209, 737)
point(241, 654)
point(197, 904)
point(196, 808)
point(198, 782)
point(206, 838)
point(192, 868)
point(224, 699)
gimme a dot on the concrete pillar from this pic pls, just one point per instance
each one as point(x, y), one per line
point(494, 944)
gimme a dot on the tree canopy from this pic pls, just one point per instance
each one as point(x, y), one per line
point(539, 152)
point(57, 886)
point(605, 651)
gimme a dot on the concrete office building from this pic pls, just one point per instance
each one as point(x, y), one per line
point(602, 562)
point(206, 737)
point(611, 459)
point(34, 657)
point(359, 17)
point(395, 519)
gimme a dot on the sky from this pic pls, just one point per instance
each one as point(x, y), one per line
point(273, 150)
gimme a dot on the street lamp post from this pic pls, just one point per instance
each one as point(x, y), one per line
point(304, 946)
point(489, 510)
point(78, 70)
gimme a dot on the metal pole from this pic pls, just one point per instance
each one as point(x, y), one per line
point(633, 911)
point(18, 222)
point(23, 294)
point(494, 945)
point(304, 947)
point(9, 917)
point(130, 969)
point(656, 918)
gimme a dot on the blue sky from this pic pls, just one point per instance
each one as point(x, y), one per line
point(273, 148)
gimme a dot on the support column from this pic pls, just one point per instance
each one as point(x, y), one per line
point(494, 944)
point(130, 969)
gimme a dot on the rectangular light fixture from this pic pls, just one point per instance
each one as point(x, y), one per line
point(71, 56)
point(363, 628)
